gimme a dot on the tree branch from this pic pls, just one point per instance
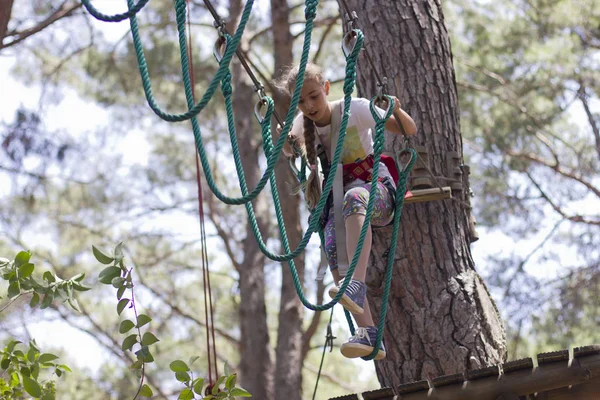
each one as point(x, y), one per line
point(572, 218)
point(567, 174)
point(63, 11)
point(582, 95)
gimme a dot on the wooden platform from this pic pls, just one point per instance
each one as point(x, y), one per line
point(432, 194)
point(558, 376)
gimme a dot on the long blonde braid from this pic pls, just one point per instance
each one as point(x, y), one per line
point(313, 183)
point(286, 84)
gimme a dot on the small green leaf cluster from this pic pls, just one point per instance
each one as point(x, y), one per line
point(19, 274)
point(119, 276)
point(21, 372)
point(223, 389)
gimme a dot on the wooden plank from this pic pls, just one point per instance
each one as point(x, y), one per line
point(347, 397)
point(515, 365)
point(584, 391)
point(586, 350)
point(447, 380)
point(412, 387)
point(429, 195)
point(481, 373)
point(520, 382)
point(381, 394)
point(553, 356)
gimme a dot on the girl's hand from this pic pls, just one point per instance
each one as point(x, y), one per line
point(397, 104)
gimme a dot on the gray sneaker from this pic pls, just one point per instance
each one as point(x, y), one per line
point(353, 299)
point(362, 344)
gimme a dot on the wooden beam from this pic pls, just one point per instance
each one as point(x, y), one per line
point(545, 377)
point(432, 194)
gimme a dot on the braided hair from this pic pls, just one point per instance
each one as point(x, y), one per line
point(287, 83)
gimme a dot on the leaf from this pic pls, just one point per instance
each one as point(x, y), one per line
point(218, 383)
point(101, 257)
point(47, 301)
point(179, 366)
point(146, 391)
point(5, 363)
point(120, 292)
point(47, 357)
point(126, 326)
point(58, 372)
point(78, 277)
point(119, 252)
point(74, 304)
point(238, 391)
point(108, 274)
point(35, 370)
point(198, 385)
point(11, 345)
point(148, 339)
point(49, 277)
point(65, 368)
point(193, 359)
point(142, 320)
point(22, 258)
point(48, 396)
point(25, 270)
point(121, 305)
point(13, 290)
point(226, 370)
point(182, 376)
point(117, 282)
point(230, 383)
point(35, 299)
point(31, 386)
point(137, 365)
point(129, 342)
point(31, 354)
point(186, 394)
point(144, 355)
point(80, 288)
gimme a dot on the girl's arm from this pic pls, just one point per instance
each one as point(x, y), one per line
point(407, 122)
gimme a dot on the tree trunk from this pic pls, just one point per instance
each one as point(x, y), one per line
point(256, 366)
point(441, 318)
point(289, 350)
point(5, 12)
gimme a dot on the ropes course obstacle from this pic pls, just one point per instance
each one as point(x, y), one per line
point(225, 48)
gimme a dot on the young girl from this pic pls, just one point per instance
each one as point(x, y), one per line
point(313, 126)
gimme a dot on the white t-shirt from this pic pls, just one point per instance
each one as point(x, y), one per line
point(358, 143)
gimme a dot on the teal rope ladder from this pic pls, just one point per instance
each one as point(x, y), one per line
point(272, 153)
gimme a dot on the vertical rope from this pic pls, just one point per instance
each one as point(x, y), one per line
point(210, 319)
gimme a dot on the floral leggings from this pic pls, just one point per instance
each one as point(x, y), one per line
point(355, 202)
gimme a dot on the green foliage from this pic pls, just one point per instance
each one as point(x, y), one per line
point(120, 277)
point(224, 388)
point(19, 275)
point(21, 372)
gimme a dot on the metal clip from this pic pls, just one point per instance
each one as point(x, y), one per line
point(329, 338)
point(403, 166)
point(348, 42)
point(259, 104)
point(220, 47)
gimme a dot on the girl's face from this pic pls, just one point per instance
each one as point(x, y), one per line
point(313, 101)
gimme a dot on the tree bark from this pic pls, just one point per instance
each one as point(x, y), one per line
point(289, 349)
point(256, 365)
point(5, 12)
point(441, 318)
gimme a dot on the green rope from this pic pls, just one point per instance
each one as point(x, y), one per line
point(113, 18)
point(400, 193)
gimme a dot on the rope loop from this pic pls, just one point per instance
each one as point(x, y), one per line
point(378, 102)
point(116, 17)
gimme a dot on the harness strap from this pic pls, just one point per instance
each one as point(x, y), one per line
point(338, 193)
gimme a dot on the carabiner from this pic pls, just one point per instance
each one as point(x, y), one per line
point(220, 47)
point(348, 42)
point(381, 99)
point(259, 104)
point(402, 167)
